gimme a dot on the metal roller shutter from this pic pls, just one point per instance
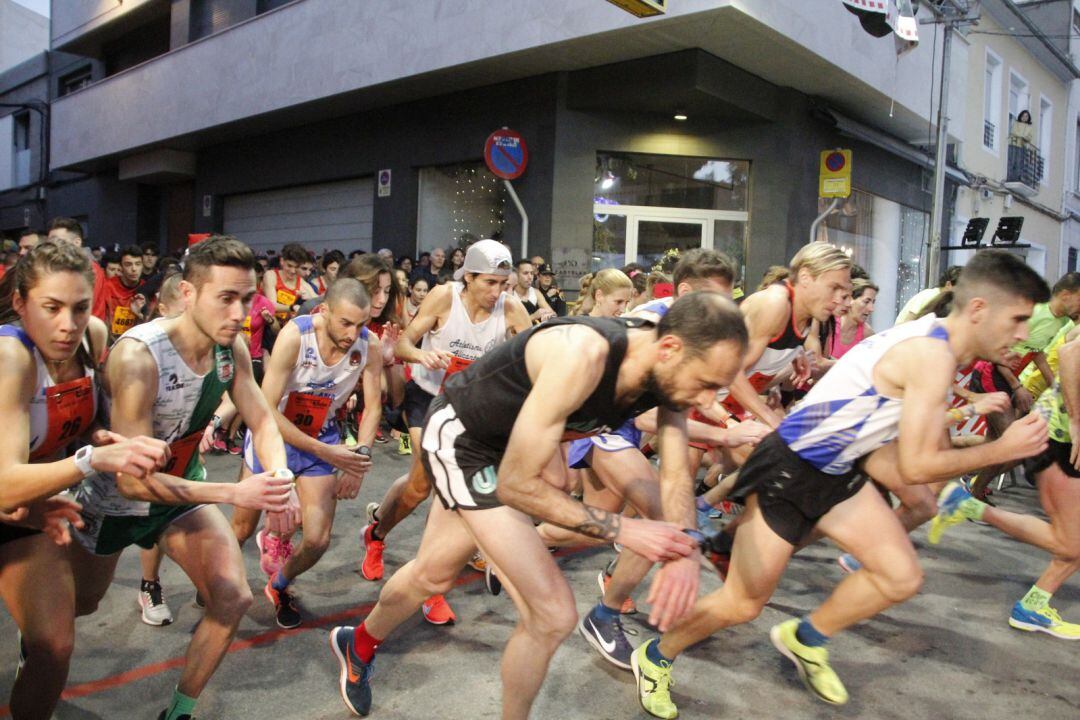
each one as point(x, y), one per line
point(320, 217)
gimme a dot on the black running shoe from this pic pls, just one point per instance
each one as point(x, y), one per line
point(491, 581)
point(355, 676)
point(608, 637)
point(285, 612)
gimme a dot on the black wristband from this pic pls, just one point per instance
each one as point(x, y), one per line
point(363, 450)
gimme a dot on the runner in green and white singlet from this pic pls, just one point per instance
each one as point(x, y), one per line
point(165, 379)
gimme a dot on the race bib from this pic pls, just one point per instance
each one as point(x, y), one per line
point(287, 298)
point(246, 327)
point(308, 412)
point(70, 410)
point(182, 451)
point(456, 365)
point(123, 319)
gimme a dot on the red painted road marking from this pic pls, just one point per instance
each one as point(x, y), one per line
point(141, 673)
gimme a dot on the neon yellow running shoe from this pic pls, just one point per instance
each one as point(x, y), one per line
point(653, 684)
point(811, 662)
point(1045, 620)
point(949, 512)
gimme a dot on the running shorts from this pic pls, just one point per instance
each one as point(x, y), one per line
point(9, 533)
point(463, 470)
point(109, 534)
point(626, 437)
point(301, 464)
point(415, 405)
point(1055, 453)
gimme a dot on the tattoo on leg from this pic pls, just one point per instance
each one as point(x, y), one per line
point(601, 524)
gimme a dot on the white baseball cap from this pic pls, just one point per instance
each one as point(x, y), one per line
point(487, 257)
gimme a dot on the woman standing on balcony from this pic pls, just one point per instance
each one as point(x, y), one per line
point(1022, 132)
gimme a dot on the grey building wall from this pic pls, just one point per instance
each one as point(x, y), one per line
point(23, 34)
point(405, 138)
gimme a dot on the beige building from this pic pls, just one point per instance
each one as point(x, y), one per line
point(1016, 169)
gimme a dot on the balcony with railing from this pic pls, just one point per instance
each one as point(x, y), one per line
point(1025, 168)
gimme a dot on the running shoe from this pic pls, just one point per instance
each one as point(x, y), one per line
point(629, 607)
point(217, 445)
point(355, 677)
point(154, 609)
point(199, 601)
point(491, 580)
point(273, 551)
point(236, 446)
point(608, 637)
point(717, 550)
point(404, 445)
point(949, 513)
point(381, 437)
point(811, 662)
point(285, 613)
point(437, 611)
point(1044, 620)
point(371, 566)
point(477, 562)
point(704, 517)
point(165, 712)
point(654, 684)
point(848, 563)
point(371, 509)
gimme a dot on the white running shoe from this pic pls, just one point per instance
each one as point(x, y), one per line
point(154, 609)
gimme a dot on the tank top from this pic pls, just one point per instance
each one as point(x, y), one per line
point(778, 354)
point(315, 390)
point(839, 349)
point(285, 295)
point(184, 404)
point(460, 336)
point(529, 301)
point(59, 413)
point(843, 417)
point(488, 395)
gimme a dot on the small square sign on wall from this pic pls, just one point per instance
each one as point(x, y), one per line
point(384, 183)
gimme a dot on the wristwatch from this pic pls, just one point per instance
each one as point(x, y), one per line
point(363, 450)
point(285, 473)
point(697, 536)
point(216, 422)
point(82, 458)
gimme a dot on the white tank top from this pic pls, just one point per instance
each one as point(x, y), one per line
point(843, 417)
point(461, 337)
point(312, 376)
point(183, 407)
point(58, 413)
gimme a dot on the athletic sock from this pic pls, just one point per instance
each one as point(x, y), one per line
point(652, 651)
point(279, 582)
point(809, 635)
point(1036, 599)
point(364, 645)
point(605, 613)
point(147, 584)
point(972, 509)
point(180, 706)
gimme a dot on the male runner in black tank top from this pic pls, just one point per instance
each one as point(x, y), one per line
point(492, 440)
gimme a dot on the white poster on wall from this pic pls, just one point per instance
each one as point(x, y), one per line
point(570, 265)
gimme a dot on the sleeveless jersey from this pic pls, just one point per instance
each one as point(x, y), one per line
point(182, 409)
point(839, 349)
point(488, 395)
point(779, 353)
point(285, 295)
point(529, 301)
point(58, 413)
point(462, 337)
point(843, 418)
point(316, 390)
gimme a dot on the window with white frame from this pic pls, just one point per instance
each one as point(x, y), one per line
point(991, 101)
point(1046, 130)
point(1019, 96)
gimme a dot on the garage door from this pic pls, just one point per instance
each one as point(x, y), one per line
point(320, 217)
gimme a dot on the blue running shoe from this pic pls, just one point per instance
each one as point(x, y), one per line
point(355, 678)
point(608, 637)
point(704, 519)
point(1044, 620)
point(949, 511)
point(848, 563)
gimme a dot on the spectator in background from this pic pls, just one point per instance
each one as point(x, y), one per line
point(406, 263)
point(284, 287)
point(28, 239)
point(538, 261)
point(418, 290)
point(457, 259)
point(331, 263)
point(388, 255)
point(639, 276)
point(69, 230)
point(535, 303)
point(305, 271)
point(112, 265)
point(431, 266)
point(124, 305)
point(922, 299)
point(149, 260)
point(262, 261)
point(549, 288)
point(97, 253)
point(1022, 132)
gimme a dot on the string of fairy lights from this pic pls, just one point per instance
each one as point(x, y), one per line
point(478, 208)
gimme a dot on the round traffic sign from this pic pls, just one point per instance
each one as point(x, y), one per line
point(506, 154)
point(835, 162)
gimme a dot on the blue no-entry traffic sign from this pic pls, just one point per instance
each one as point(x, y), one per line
point(505, 154)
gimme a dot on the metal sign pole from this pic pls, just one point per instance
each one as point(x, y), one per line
point(524, 219)
point(933, 255)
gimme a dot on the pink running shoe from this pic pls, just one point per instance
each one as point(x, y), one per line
point(273, 551)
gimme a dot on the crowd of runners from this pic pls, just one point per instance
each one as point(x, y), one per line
point(668, 413)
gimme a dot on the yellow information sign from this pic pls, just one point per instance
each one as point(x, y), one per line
point(835, 178)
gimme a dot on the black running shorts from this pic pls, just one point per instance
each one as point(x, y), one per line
point(792, 493)
point(415, 405)
point(1055, 453)
point(462, 469)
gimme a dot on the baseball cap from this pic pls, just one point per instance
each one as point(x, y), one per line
point(488, 257)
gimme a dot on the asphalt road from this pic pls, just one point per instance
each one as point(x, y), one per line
point(947, 654)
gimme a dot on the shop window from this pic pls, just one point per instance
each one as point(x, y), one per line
point(462, 203)
point(672, 181)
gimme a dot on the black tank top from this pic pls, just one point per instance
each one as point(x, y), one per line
point(790, 337)
point(488, 395)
